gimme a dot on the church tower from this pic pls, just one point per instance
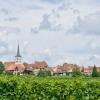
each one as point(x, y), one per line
point(18, 57)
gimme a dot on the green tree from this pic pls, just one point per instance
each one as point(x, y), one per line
point(44, 73)
point(94, 72)
point(76, 71)
point(1, 67)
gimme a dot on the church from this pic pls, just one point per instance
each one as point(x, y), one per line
point(18, 67)
point(15, 67)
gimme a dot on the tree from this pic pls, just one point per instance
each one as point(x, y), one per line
point(25, 64)
point(82, 70)
point(76, 71)
point(1, 67)
point(94, 72)
point(44, 73)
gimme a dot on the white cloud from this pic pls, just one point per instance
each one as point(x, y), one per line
point(89, 25)
point(43, 29)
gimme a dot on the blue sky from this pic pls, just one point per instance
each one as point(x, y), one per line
point(56, 31)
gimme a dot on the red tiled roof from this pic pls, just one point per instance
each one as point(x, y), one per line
point(37, 65)
point(21, 67)
point(68, 67)
point(65, 68)
point(40, 64)
point(11, 66)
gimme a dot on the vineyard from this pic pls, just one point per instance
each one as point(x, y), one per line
point(52, 88)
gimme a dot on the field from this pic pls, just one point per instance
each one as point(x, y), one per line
point(49, 88)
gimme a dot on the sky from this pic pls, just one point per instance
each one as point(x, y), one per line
point(57, 31)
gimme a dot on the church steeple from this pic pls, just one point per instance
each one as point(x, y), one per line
point(18, 52)
point(18, 56)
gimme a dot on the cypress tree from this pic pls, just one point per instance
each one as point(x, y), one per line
point(94, 72)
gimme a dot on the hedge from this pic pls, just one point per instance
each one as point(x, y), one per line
point(30, 88)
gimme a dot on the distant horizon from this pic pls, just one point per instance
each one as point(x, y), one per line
point(55, 31)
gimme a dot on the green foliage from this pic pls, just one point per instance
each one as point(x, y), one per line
point(94, 72)
point(76, 72)
point(31, 88)
point(1, 67)
point(44, 73)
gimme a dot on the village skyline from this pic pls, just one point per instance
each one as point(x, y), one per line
point(19, 59)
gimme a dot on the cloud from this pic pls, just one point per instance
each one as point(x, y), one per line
point(11, 19)
point(4, 48)
point(52, 1)
point(34, 30)
point(94, 57)
point(88, 25)
point(41, 25)
point(91, 60)
point(45, 23)
point(9, 30)
point(5, 11)
point(34, 7)
point(65, 5)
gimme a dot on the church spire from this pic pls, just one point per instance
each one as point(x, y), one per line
point(18, 56)
point(18, 52)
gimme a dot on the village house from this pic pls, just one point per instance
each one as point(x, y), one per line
point(13, 68)
point(36, 67)
point(58, 70)
point(66, 69)
point(17, 66)
point(88, 70)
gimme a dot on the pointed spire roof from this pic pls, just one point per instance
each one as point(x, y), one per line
point(18, 52)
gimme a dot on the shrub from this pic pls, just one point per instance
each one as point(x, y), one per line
point(30, 88)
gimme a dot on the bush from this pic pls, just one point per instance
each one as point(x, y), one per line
point(30, 88)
